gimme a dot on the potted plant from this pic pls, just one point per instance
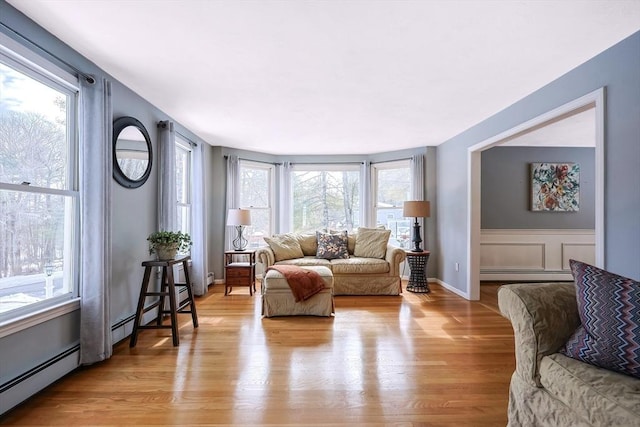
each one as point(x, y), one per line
point(165, 244)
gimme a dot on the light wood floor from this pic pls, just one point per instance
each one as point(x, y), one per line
point(430, 360)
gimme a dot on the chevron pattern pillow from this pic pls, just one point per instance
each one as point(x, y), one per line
point(609, 309)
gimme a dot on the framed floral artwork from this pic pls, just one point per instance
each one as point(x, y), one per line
point(555, 187)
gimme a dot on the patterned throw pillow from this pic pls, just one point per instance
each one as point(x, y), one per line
point(332, 246)
point(609, 308)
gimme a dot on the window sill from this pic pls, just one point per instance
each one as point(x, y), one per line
point(32, 319)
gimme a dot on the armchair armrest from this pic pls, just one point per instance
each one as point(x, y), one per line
point(394, 257)
point(265, 256)
point(543, 316)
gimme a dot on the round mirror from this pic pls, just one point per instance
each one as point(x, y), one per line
point(131, 152)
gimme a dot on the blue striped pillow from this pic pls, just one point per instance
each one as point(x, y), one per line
point(609, 308)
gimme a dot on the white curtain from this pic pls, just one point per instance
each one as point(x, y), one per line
point(366, 206)
point(95, 219)
point(199, 226)
point(417, 187)
point(417, 176)
point(284, 201)
point(167, 196)
point(233, 194)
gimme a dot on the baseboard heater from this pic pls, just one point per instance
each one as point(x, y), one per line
point(25, 385)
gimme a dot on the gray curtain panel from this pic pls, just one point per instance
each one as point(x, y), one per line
point(95, 219)
point(167, 196)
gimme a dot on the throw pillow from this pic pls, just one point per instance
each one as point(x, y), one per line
point(332, 246)
point(609, 309)
point(371, 243)
point(284, 246)
point(308, 243)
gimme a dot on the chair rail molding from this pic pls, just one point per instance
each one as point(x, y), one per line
point(509, 254)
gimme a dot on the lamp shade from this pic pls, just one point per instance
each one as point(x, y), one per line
point(416, 209)
point(239, 217)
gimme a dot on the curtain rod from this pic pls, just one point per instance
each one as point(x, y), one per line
point(190, 142)
point(89, 78)
point(327, 163)
point(392, 160)
point(226, 156)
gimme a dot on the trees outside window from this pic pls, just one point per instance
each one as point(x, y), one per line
point(183, 184)
point(325, 197)
point(38, 189)
point(256, 194)
point(391, 187)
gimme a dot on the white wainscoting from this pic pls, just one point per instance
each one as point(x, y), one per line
point(533, 254)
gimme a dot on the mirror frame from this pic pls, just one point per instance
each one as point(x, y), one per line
point(118, 126)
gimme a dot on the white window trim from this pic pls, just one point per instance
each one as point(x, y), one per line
point(375, 167)
point(47, 73)
point(26, 321)
point(271, 185)
point(27, 58)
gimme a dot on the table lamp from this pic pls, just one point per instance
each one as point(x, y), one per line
point(416, 209)
point(239, 218)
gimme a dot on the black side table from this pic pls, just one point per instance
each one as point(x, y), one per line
point(418, 268)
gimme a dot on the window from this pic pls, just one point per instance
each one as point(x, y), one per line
point(325, 197)
point(39, 197)
point(256, 194)
point(391, 187)
point(183, 184)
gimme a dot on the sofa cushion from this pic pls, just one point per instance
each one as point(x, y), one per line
point(609, 309)
point(371, 243)
point(284, 246)
point(308, 244)
point(332, 246)
point(357, 265)
point(604, 397)
point(306, 261)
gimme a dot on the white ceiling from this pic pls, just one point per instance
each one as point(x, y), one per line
point(334, 77)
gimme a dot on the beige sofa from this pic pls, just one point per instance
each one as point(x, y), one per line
point(548, 388)
point(353, 275)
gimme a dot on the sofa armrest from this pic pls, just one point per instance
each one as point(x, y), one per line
point(394, 257)
point(265, 256)
point(543, 316)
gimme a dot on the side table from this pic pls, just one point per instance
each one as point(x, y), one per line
point(240, 270)
point(167, 290)
point(418, 268)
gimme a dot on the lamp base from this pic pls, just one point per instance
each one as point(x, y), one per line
point(416, 237)
point(239, 243)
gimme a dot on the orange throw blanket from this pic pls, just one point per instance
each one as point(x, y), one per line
point(303, 283)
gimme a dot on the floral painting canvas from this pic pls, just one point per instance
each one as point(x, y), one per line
point(555, 187)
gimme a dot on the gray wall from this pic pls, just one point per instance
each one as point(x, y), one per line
point(506, 188)
point(617, 69)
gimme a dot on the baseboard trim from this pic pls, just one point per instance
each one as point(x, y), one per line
point(20, 388)
point(448, 287)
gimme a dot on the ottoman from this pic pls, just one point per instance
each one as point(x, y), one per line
point(277, 299)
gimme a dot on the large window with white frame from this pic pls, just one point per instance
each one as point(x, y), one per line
point(391, 184)
point(325, 197)
point(39, 198)
point(257, 195)
point(183, 184)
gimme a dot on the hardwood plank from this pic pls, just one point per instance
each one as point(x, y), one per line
point(417, 359)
